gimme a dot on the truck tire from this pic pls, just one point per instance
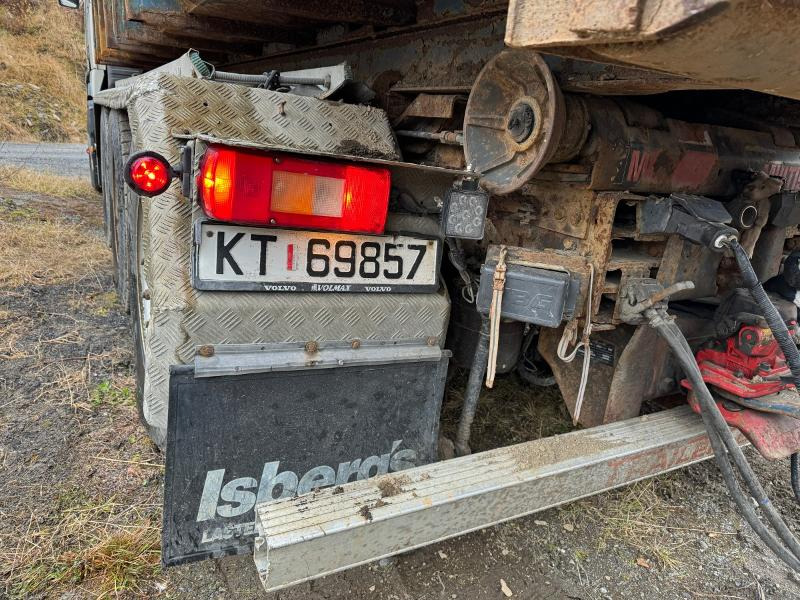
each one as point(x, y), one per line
point(125, 212)
point(140, 314)
point(106, 175)
point(121, 198)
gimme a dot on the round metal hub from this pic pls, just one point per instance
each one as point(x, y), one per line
point(521, 121)
point(514, 120)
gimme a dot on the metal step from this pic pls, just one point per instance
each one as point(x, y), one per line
point(334, 529)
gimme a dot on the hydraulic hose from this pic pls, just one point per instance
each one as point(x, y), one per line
point(795, 469)
point(779, 330)
point(474, 383)
point(774, 320)
point(743, 502)
point(721, 440)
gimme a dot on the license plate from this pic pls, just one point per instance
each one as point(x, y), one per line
point(228, 257)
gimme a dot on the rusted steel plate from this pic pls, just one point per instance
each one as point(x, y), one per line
point(337, 528)
point(109, 52)
point(168, 16)
point(138, 34)
point(728, 43)
point(582, 22)
point(351, 11)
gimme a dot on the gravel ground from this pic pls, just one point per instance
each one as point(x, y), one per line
point(60, 159)
point(83, 485)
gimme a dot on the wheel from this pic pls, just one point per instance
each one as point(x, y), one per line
point(121, 198)
point(94, 142)
point(106, 175)
point(132, 289)
point(140, 316)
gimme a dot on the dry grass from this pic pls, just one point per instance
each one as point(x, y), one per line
point(103, 546)
point(13, 327)
point(40, 182)
point(84, 520)
point(46, 247)
point(32, 252)
point(639, 517)
point(42, 56)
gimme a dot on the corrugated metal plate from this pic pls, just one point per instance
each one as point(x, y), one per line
point(312, 535)
point(161, 106)
point(170, 104)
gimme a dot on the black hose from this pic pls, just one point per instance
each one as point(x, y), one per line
point(781, 333)
point(474, 383)
point(771, 314)
point(795, 470)
point(742, 501)
point(735, 452)
point(722, 439)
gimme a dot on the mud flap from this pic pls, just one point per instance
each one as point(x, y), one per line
point(237, 439)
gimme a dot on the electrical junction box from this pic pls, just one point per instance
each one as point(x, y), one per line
point(532, 295)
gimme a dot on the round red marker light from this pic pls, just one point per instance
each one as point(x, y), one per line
point(148, 173)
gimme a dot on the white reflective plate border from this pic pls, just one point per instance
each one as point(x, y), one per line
point(235, 257)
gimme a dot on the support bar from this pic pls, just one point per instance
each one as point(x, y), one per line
point(338, 528)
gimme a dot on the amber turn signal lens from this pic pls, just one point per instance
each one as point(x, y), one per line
point(278, 190)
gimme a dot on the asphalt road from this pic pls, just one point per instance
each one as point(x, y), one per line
point(61, 159)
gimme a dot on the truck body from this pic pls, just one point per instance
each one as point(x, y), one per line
point(317, 210)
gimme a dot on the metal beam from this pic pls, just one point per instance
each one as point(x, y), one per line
point(337, 528)
point(384, 12)
point(168, 16)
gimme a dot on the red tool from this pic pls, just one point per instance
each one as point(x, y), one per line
point(752, 384)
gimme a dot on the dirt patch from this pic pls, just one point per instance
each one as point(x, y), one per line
point(85, 512)
point(551, 450)
point(358, 149)
point(392, 485)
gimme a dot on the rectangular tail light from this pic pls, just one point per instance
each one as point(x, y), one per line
point(259, 188)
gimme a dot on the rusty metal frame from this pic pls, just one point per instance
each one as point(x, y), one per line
point(338, 528)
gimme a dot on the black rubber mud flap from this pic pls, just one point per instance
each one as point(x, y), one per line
point(235, 440)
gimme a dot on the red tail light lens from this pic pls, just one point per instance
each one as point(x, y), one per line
point(257, 188)
point(148, 173)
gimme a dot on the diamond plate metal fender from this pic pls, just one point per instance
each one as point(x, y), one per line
point(161, 106)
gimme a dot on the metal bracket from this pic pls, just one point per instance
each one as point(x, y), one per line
point(238, 359)
point(642, 293)
point(698, 219)
point(334, 529)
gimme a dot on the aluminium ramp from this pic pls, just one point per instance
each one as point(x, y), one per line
point(333, 529)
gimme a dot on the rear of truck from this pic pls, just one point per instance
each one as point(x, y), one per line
point(323, 209)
